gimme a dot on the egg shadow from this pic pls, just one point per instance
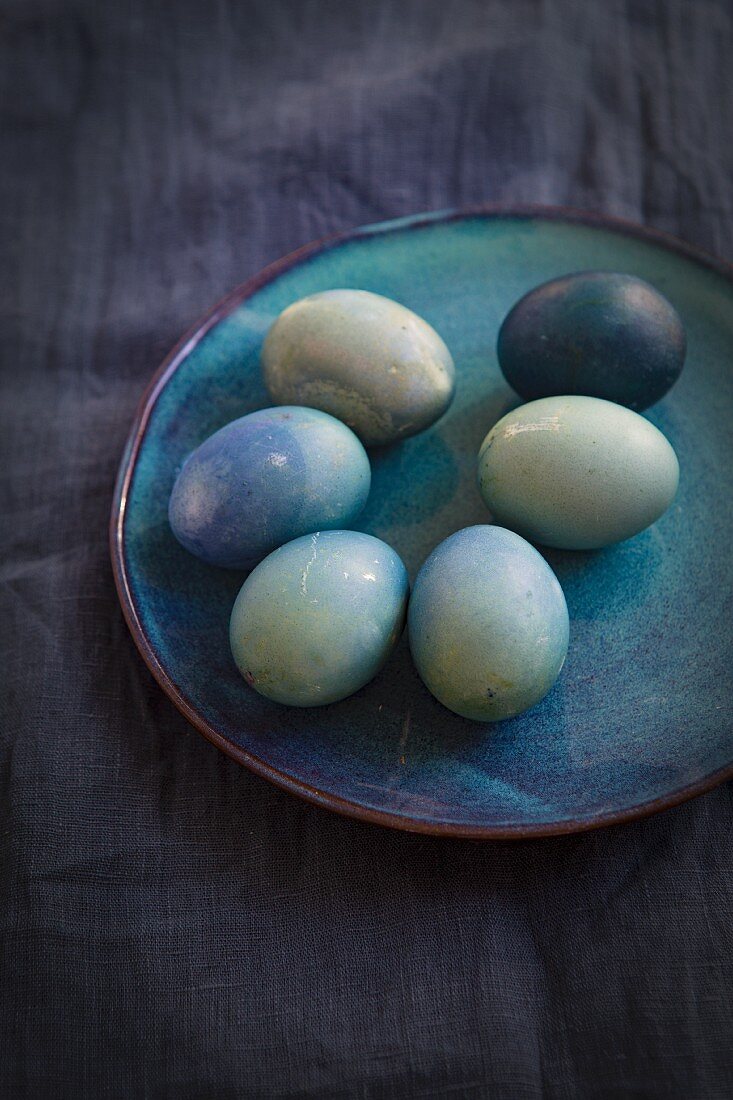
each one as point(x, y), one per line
point(601, 584)
point(466, 427)
point(425, 488)
point(427, 729)
point(413, 486)
point(431, 730)
point(396, 468)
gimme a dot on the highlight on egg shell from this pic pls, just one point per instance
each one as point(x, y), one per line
point(596, 333)
point(488, 624)
point(577, 473)
point(317, 619)
point(369, 361)
point(265, 479)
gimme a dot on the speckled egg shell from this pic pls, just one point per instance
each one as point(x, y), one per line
point(265, 479)
point(488, 624)
point(576, 472)
point(318, 618)
point(597, 333)
point(366, 359)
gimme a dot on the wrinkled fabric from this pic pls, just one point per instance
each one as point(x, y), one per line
point(171, 925)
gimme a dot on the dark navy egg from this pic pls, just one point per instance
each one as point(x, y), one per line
point(596, 333)
point(265, 479)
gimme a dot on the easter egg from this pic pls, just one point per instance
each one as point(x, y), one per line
point(576, 472)
point(317, 619)
point(366, 359)
point(265, 479)
point(488, 624)
point(597, 333)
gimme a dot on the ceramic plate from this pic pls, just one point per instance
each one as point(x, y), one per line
point(641, 716)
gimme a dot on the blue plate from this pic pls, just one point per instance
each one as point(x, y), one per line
point(641, 716)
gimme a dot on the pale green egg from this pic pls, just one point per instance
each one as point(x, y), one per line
point(365, 359)
point(576, 472)
point(317, 619)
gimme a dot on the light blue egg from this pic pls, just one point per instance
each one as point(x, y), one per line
point(366, 359)
point(265, 479)
point(576, 472)
point(488, 624)
point(318, 618)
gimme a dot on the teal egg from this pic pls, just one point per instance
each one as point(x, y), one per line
point(264, 479)
point(318, 618)
point(576, 472)
point(488, 624)
point(363, 358)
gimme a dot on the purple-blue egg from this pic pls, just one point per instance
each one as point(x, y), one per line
point(265, 479)
point(317, 619)
point(488, 624)
point(596, 333)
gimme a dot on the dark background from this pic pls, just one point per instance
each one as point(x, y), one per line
point(170, 924)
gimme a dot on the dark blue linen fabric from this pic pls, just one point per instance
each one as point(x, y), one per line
point(170, 925)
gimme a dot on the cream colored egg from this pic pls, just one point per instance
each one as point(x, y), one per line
point(363, 358)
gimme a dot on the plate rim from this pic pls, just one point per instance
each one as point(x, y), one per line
point(180, 351)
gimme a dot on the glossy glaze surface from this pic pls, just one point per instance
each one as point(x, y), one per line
point(364, 358)
point(598, 333)
point(488, 624)
point(317, 619)
point(576, 473)
point(640, 717)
